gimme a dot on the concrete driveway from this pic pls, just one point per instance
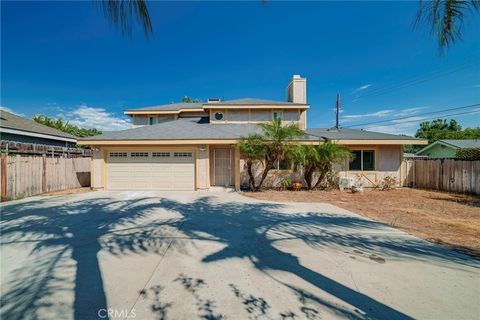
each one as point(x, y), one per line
point(218, 255)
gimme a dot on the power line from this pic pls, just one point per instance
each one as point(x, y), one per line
point(446, 115)
point(416, 115)
point(417, 79)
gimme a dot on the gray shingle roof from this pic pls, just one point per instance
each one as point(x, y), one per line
point(185, 129)
point(462, 144)
point(11, 121)
point(354, 134)
point(199, 105)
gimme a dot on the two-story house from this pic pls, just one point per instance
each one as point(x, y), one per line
point(190, 146)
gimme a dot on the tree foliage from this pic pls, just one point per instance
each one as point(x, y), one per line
point(319, 159)
point(252, 148)
point(443, 129)
point(468, 154)
point(269, 147)
point(122, 14)
point(446, 18)
point(277, 135)
point(187, 99)
point(65, 126)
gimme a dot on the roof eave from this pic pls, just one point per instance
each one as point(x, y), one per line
point(37, 134)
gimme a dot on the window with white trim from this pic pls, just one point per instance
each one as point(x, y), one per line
point(117, 154)
point(364, 160)
point(182, 154)
point(139, 154)
point(161, 154)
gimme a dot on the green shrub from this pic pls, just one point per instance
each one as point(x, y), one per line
point(468, 154)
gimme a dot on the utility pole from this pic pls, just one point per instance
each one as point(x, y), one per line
point(337, 124)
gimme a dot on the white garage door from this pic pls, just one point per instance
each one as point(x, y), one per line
point(150, 170)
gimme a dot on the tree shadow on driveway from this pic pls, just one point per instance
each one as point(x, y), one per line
point(80, 229)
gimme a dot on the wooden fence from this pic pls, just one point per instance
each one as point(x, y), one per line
point(442, 174)
point(28, 175)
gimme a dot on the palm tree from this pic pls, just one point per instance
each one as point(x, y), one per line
point(277, 136)
point(318, 159)
point(330, 154)
point(446, 18)
point(307, 158)
point(252, 149)
point(122, 12)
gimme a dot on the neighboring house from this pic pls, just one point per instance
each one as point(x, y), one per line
point(447, 148)
point(14, 128)
point(189, 146)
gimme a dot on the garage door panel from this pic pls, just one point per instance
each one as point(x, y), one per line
point(164, 171)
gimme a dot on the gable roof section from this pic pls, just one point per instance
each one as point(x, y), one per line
point(12, 123)
point(453, 143)
point(185, 129)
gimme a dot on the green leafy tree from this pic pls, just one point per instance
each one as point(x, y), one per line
point(187, 99)
point(442, 129)
point(252, 149)
point(277, 135)
point(446, 18)
point(65, 126)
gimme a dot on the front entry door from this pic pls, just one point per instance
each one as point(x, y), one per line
point(222, 167)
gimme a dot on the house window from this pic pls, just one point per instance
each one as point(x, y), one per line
point(117, 154)
point(182, 154)
point(218, 116)
point(364, 160)
point(277, 115)
point(152, 120)
point(139, 154)
point(282, 165)
point(161, 154)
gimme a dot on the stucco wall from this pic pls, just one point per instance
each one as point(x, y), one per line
point(97, 168)
point(202, 163)
point(388, 164)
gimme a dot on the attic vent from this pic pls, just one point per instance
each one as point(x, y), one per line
point(214, 100)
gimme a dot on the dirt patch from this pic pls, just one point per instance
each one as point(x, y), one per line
point(69, 191)
point(452, 220)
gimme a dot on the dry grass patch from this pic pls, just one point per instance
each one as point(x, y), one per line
point(449, 219)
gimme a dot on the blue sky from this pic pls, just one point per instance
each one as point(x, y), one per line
point(64, 59)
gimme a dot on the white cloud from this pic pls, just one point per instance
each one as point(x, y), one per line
point(11, 111)
point(361, 88)
point(98, 118)
point(377, 114)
